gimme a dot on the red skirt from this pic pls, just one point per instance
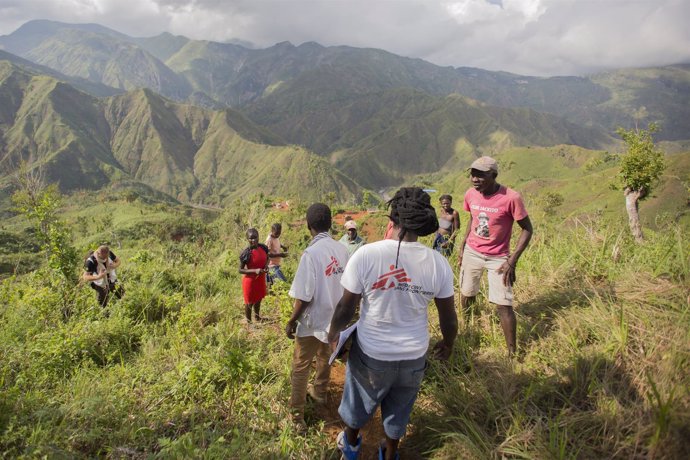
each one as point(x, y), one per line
point(254, 288)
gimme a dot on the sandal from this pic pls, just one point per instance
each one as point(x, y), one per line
point(348, 451)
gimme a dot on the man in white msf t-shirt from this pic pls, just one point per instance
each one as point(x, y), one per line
point(395, 279)
point(316, 290)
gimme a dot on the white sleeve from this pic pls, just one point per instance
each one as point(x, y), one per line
point(446, 287)
point(304, 284)
point(351, 280)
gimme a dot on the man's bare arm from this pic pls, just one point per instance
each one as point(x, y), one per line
point(448, 321)
point(344, 312)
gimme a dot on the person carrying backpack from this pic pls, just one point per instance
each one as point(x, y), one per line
point(99, 272)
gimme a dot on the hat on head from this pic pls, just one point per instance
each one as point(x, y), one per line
point(485, 164)
point(351, 224)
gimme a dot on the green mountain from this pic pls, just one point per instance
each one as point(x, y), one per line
point(189, 153)
point(217, 74)
point(48, 123)
point(162, 46)
point(377, 118)
point(82, 84)
point(97, 54)
point(660, 94)
point(384, 138)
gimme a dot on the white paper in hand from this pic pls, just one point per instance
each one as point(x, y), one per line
point(342, 338)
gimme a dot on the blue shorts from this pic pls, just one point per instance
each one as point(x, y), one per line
point(274, 273)
point(439, 240)
point(370, 382)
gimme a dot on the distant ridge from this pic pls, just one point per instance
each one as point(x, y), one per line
point(196, 113)
point(187, 152)
point(213, 74)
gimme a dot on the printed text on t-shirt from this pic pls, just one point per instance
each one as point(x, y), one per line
point(483, 208)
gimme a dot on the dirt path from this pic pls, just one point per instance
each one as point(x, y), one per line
point(371, 225)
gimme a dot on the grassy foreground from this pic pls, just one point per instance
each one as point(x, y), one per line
point(170, 372)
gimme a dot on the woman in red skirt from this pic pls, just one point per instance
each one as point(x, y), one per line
point(253, 265)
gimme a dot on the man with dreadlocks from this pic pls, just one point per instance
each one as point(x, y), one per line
point(395, 279)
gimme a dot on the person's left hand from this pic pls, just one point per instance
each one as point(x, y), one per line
point(508, 271)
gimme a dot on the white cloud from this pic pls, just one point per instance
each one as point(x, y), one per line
point(537, 37)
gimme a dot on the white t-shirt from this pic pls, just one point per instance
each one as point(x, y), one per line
point(318, 280)
point(393, 322)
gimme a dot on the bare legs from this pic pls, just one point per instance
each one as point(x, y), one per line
point(506, 315)
point(508, 324)
point(248, 311)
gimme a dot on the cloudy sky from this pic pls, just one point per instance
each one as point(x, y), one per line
point(530, 37)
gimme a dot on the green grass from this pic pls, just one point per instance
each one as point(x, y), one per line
point(169, 371)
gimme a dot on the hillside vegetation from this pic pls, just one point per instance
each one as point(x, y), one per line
point(569, 183)
point(140, 136)
point(170, 371)
point(189, 153)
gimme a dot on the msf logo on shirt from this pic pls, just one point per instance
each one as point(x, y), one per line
point(334, 267)
point(391, 279)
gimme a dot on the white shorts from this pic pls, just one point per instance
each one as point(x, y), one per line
point(471, 271)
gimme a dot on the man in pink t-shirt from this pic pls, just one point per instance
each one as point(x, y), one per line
point(493, 209)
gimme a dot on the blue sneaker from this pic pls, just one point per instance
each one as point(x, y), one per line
point(349, 452)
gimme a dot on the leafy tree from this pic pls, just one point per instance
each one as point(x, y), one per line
point(641, 166)
point(40, 204)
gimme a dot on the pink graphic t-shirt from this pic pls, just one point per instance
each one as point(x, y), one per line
point(492, 219)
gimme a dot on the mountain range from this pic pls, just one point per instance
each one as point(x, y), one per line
point(206, 121)
point(190, 153)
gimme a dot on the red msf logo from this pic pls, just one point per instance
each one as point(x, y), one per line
point(333, 268)
point(391, 279)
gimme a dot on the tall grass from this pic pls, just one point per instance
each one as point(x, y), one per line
point(169, 371)
point(604, 360)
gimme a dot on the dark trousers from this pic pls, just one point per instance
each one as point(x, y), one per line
point(104, 292)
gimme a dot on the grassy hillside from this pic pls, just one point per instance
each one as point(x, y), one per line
point(170, 371)
point(657, 94)
point(52, 125)
point(383, 138)
point(583, 179)
point(82, 84)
